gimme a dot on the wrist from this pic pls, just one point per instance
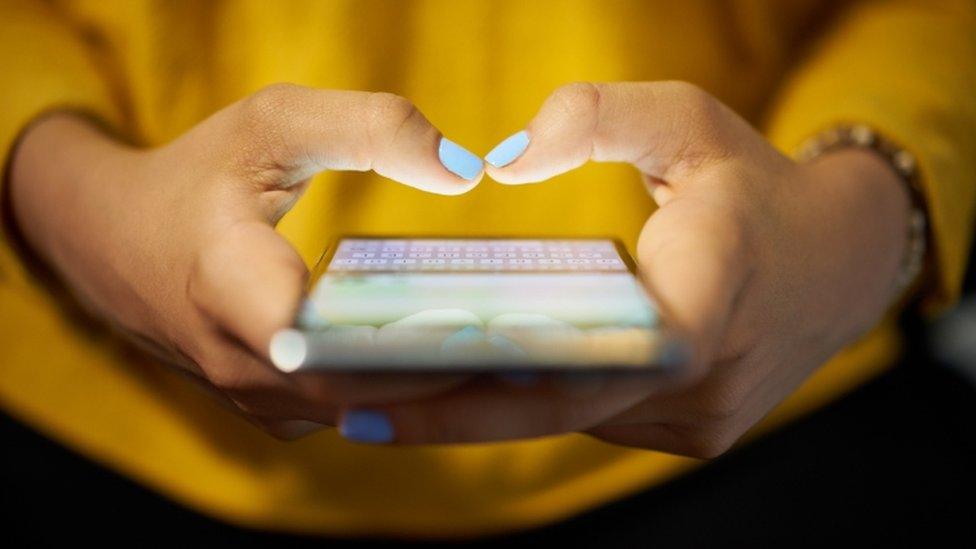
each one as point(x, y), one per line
point(864, 138)
point(59, 171)
point(866, 208)
point(867, 173)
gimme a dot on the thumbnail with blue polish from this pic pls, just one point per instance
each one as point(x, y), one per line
point(468, 334)
point(505, 344)
point(458, 160)
point(463, 338)
point(508, 150)
point(366, 426)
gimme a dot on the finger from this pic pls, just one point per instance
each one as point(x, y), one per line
point(359, 389)
point(285, 429)
point(249, 281)
point(292, 132)
point(240, 378)
point(665, 129)
point(696, 440)
point(693, 259)
point(716, 398)
point(490, 411)
point(691, 251)
point(265, 392)
point(660, 191)
point(651, 436)
point(290, 429)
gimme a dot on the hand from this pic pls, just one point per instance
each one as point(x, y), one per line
point(768, 268)
point(175, 245)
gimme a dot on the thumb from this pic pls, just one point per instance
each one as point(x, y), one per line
point(693, 259)
point(248, 280)
point(284, 134)
point(665, 129)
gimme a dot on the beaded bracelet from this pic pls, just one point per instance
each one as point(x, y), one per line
point(904, 164)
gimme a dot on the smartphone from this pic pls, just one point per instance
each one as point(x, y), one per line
point(476, 304)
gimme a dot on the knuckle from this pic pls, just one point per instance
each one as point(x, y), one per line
point(270, 102)
point(388, 114)
point(390, 111)
point(697, 101)
point(705, 122)
point(579, 98)
point(261, 121)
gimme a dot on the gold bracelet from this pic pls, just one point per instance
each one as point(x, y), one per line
point(904, 164)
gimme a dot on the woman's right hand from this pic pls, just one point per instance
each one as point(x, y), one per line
point(176, 246)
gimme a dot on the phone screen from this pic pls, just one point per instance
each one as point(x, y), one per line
point(482, 304)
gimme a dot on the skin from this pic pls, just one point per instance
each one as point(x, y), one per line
point(175, 245)
point(767, 267)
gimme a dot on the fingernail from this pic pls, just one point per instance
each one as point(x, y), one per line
point(288, 349)
point(508, 150)
point(462, 339)
point(366, 426)
point(458, 160)
point(508, 346)
point(467, 334)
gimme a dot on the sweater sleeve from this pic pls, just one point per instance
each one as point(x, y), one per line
point(907, 69)
point(48, 66)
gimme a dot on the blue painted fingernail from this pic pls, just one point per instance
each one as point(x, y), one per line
point(508, 346)
point(508, 150)
point(366, 426)
point(463, 338)
point(458, 160)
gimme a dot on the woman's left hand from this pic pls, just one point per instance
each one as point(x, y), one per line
point(768, 267)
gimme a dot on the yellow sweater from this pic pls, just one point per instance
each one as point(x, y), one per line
point(479, 70)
